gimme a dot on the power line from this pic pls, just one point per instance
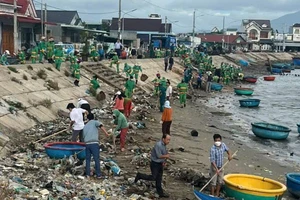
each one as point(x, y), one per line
point(79, 12)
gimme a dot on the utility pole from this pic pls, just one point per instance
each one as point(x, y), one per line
point(194, 19)
point(42, 19)
point(166, 25)
point(46, 21)
point(283, 46)
point(15, 27)
point(223, 24)
point(119, 22)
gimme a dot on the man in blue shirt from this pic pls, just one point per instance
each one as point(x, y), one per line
point(216, 159)
point(91, 139)
point(159, 154)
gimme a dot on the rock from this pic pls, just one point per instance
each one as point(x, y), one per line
point(181, 149)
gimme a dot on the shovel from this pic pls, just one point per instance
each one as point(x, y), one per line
point(216, 173)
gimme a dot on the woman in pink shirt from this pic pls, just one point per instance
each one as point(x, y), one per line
point(119, 101)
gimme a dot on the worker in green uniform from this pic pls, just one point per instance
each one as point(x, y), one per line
point(115, 60)
point(136, 69)
point(128, 70)
point(50, 50)
point(129, 87)
point(34, 53)
point(94, 54)
point(73, 60)
point(162, 96)
point(156, 82)
point(58, 57)
point(182, 88)
point(94, 84)
point(3, 60)
point(21, 56)
point(42, 49)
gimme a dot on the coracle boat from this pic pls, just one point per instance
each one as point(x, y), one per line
point(201, 196)
point(296, 61)
point(60, 150)
point(250, 79)
point(298, 125)
point(293, 184)
point(243, 91)
point(286, 70)
point(269, 78)
point(276, 71)
point(250, 103)
point(250, 187)
point(216, 86)
point(270, 131)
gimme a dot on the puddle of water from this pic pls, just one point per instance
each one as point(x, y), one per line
point(280, 104)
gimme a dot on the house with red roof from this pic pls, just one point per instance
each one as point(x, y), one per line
point(229, 42)
point(28, 24)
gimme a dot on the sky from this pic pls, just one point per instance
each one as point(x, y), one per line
point(209, 13)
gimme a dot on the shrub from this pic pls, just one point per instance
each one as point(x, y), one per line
point(29, 67)
point(53, 85)
point(42, 74)
point(46, 103)
point(25, 77)
point(13, 69)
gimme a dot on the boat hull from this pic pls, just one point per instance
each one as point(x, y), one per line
point(269, 78)
point(249, 187)
point(243, 91)
point(201, 196)
point(293, 183)
point(296, 61)
point(270, 131)
point(250, 79)
point(249, 103)
point(276, 71)
point(216, 87)
point(60, 150)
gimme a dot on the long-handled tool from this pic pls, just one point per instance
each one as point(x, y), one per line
point(49, 136)
point(216, 173)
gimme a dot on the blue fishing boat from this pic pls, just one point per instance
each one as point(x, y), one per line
point(293, 184)
point(276, 71)
point(281, 66)
point(298, 125)
point(243, 91)
point(270, 131)
point(216, 86)
point(201, 196)
point(296, 61)
point(60, 150)
point(250, 103)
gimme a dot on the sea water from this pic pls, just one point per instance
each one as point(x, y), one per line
point(280, 104)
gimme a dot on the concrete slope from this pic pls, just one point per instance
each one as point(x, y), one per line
point(151, 67)
point(32, 94)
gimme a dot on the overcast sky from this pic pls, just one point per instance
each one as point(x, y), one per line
point(209, 13)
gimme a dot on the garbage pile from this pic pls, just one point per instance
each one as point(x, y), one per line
point(192, 176)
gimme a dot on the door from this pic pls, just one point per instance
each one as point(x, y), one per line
point(8, 39)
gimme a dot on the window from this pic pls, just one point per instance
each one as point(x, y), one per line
point(296, 31)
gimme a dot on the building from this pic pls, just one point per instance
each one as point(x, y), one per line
point(67, 28)
point(231, 31)
point(258, 34)
point(288, 42)
point(229, 42)
point(27, 20)
point(145, 29)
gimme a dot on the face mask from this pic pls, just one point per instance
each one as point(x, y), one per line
point(218, 143)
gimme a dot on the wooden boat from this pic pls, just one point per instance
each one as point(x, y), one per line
point(250, 103)
point(243, 91)
point(201, 196)
point(293, 184)
point(298, 125)
point(250, 79)
point(270, 131)
point(60, 150)
point(269, 78)
point(286, 70)
point(250, 187)
point(216, 86)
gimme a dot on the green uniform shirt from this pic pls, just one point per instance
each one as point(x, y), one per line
point(183, 87)
point(95, 84)
point(130, 85)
